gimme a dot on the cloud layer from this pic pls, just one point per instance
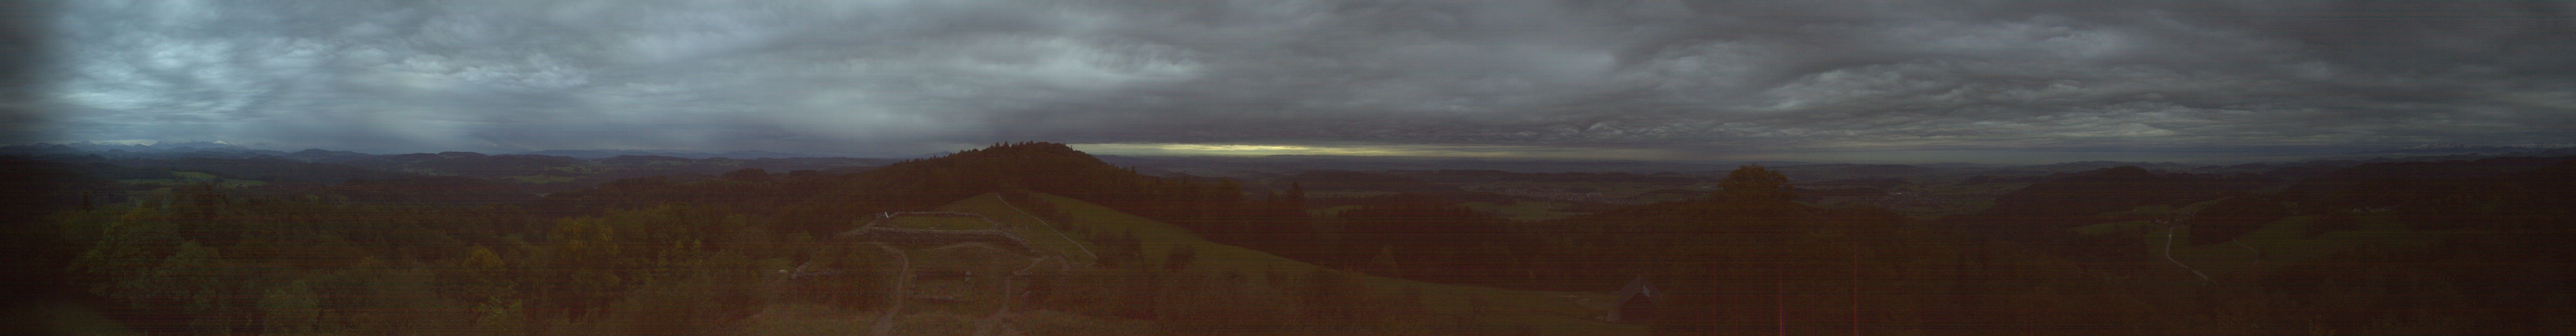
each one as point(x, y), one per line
point(1662, 76)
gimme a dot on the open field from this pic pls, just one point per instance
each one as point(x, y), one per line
point(2279, 244)
point(1544, 313)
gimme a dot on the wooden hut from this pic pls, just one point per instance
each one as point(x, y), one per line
point(1637, 302)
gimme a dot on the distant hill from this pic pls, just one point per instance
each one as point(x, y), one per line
point(1488, 175)
point(2459, 148)
point(2361, 174)
point(160, 149)
point(1364, 181)
point(2074, 199)
point(155, 146)
point(2092, 165)
point(607, 153)
point(1820, 171)
point(1279, 164)
point(2507, 192)
point(911, 184)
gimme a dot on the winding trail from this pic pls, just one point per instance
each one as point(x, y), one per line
point(998, 322)
point(2169, 238)
point(1086, 251)
point(2258, 254)
point(885, 323)
point(992, 324)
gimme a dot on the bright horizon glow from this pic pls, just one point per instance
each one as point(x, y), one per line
point(1181, 149)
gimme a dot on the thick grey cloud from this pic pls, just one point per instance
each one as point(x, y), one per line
point(1711, 76)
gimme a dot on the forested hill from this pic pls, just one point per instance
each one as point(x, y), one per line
point(903, 185)
point(2494, 187)
point(1216, 208)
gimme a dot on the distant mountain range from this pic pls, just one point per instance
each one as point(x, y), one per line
point(156, 146)
point(1275, 164)
point(2459, 148)
point(608, 153)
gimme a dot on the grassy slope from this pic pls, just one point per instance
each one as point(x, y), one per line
point(2283, 244)
point(2280, 243)
point(1541, 312)
point(939, 223)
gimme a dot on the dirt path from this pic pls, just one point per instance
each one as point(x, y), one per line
point(2258, 254)
point(902, 279)
point(2169, 238)
point(1086, 251)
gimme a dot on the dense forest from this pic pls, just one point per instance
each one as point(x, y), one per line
point(2348, 248)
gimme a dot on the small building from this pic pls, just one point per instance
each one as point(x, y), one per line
point(1637, 302)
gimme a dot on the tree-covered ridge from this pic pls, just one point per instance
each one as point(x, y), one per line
point(1217, 208)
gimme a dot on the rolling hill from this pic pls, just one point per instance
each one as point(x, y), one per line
point(1194, 286)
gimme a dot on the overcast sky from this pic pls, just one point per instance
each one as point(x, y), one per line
point(1662, 79)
